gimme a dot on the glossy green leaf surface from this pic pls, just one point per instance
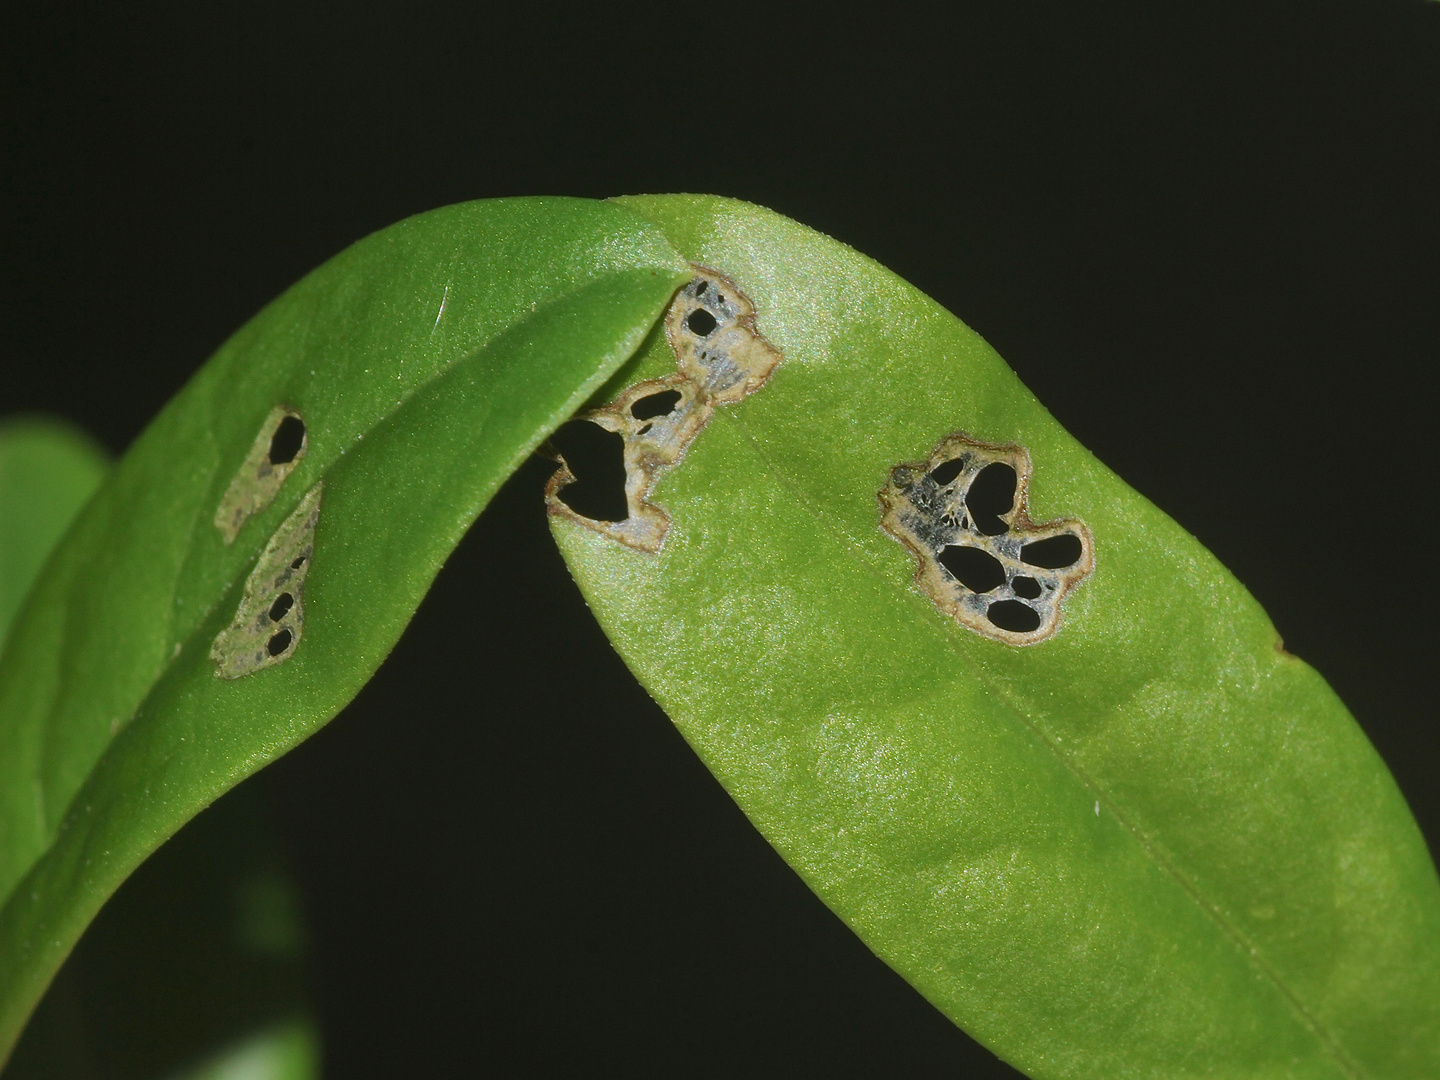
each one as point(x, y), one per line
point(47, 472)
point(1154, 845)
point(425, 362)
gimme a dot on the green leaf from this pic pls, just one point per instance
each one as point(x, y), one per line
point(425, 363)
point(47, 472)
point(287, 1051)
point(1154, 844)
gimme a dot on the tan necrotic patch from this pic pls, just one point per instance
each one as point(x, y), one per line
point(268, 623)
point(277, 449)
point(720, 358)
point(963, 514)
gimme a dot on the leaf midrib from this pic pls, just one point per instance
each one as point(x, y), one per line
point(998, 690)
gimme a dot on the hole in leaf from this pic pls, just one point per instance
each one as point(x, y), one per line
point(276, 449)
point(274, 592)
point(977, 570)
point(1014, 616)
point(969, 528)
point(991, 494)
point(720, 359)
point(1053, 553)
point(1027, 587)
point(653, 405)
point(285, 443)
point(596, 458)
point(944, 474)
point(701, 322)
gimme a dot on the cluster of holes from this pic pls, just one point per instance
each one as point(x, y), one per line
point(991, 495)
point(268, 622)
point(612, 456)
point(963, 515)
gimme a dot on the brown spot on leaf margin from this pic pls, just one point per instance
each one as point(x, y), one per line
point(720, 358)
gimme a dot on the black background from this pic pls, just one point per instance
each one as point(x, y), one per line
point(1207, 237)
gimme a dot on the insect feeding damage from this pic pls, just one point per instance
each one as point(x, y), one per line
point(267, 625)
point(963, 515)
point(277, 449)
point(720, 358)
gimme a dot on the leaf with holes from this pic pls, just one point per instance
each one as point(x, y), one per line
point(1038, 748)
point(255, 555)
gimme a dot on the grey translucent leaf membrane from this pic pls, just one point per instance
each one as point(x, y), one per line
point(268, 623)
point(720, 358)
point(277, 449)
point(963, 515)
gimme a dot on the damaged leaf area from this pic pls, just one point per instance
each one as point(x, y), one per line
point(1152, 846)
point(277, 449)
point(963, 514)
point(625, 446)
point(427, 363)
point(267, 625)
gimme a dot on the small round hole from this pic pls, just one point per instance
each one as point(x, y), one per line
point(1014, 616)
point(281, 607)
point(289, 437)
point(279, 642)
point(945, 473)
point(701, 322)
point(1027, 587)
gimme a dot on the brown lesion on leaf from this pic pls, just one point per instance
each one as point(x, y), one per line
point(277, 449)
point(720, 358)
point(963, 514)
point(268, 623)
